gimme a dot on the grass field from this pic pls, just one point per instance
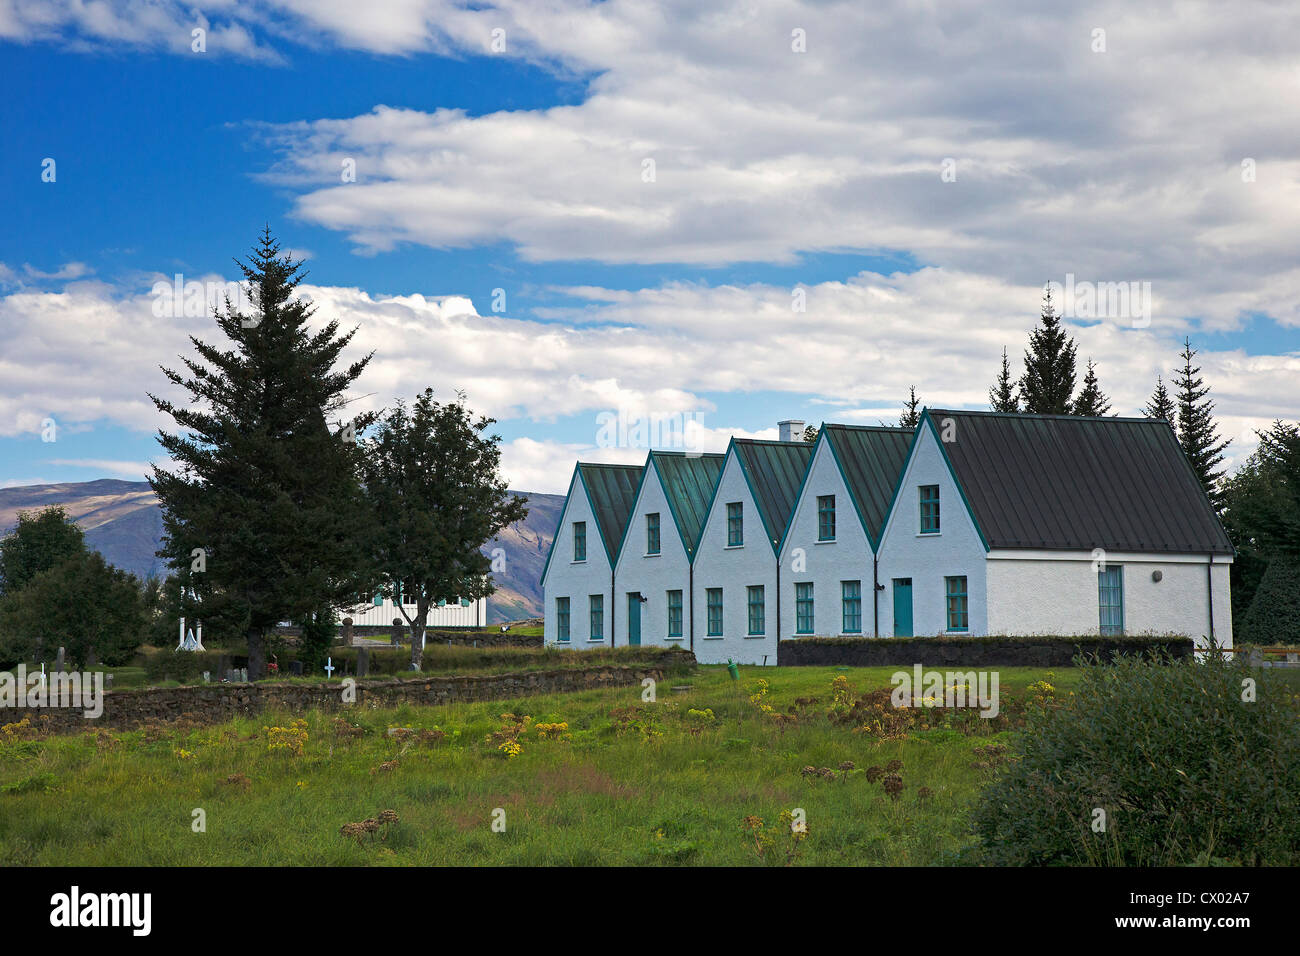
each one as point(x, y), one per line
point(627, 782)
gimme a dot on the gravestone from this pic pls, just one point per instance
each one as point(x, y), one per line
point(108, 681)
point(295, 668)
point(207, 676)
point(347, 631)
point(363, 661)
point(58, 662)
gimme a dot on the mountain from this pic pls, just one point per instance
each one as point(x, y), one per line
point(123, 522)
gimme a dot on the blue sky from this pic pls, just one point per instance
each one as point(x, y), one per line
point(523, 170)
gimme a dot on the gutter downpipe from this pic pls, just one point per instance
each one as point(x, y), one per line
point(875, 595)
point(691, 579)
point(1209, 593)
point(778, 609)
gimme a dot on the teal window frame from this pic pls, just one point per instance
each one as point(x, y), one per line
point(851, 599)
point(713, 612)
point(562, 620)
point(804, 611)
point(1110, 600)
point(596, 606)
point(652, 539)
point(579, 541)
point(825, 517)
point(674, 613)
point(735, 524)
point(956, 595)
point(929, 499)
point(756, 610)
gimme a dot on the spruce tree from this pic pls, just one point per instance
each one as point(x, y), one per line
point(1002, 396)
point(1161, 405)
point(263, 517)
point(1048, 382)
point(912, 416)
point(1091, 400)
point(1197, 432)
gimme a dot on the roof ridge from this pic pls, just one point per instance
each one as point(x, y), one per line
point(1042, 415)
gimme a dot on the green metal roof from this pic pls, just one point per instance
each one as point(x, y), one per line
point(871, 458)
point(775, 472)
point(688, 481)
point(612, 492)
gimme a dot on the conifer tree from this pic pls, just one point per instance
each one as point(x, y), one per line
point(912, 416)
point(1197, 432)
point(263, 518)
point(1161, 405)
point(1091, 400)
point(1048, 383)
point(1002, 396)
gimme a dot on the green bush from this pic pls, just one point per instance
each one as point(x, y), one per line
point(1274, 613)
point(1186, 771)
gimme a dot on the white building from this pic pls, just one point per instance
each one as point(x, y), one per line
point(381, 611)
point(974, 523)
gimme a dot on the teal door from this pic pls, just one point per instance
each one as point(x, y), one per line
point(633, 618)
point(902, 607)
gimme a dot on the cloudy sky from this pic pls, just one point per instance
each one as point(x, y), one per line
point(734, 213)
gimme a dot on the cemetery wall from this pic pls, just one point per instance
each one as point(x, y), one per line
point(213, 703)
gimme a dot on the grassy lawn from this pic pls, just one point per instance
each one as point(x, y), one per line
point(678, 793)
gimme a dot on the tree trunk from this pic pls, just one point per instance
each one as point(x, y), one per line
point(256, 653)
point(417, 634)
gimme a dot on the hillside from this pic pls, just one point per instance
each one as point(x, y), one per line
point(123, 522)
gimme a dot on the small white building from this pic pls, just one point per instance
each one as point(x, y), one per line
point(973, 523)
point(381, 611)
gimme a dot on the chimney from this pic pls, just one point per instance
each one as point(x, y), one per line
point(790, 430)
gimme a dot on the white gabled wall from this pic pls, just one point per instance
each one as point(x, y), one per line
point(1056, 592)
point(652, 575)
point(825, 564)
point(928, 559)
point(733, 570)
point(576, 580)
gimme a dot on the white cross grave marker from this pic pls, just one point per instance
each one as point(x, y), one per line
point(329, 667)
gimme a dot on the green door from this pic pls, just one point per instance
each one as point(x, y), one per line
point(633, 618)
point(902, 607)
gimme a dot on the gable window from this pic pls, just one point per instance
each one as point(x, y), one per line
point(825, 517)
point(562, 619)
point(851, 598)
point(803, 608)
point(757, 609)
point(674, 613)
point(1110, 598)
point(579, 541)
point(958, 608)
point(735, 524)
point(652, 533)
point(597, 617)
point(929, 509)
point(713, 602)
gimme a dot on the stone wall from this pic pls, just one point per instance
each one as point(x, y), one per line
point(214, 703)
point(968, 651)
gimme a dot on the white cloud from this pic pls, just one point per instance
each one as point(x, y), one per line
point(137, 470)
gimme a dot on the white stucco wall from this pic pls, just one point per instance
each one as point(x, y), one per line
point(825, 564)
point(576, 580)
point(653, 575)
point(733, 570)
point(1055, 592)
point(928, 559)
point(450, 615)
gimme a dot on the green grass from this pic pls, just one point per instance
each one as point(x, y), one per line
point(600, 797)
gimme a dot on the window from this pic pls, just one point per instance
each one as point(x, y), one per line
point(410, 593)
point(803, 608)
point(929, 509)
point(757, 609)
point(851, 597)
point(735, 525)
point(562, 619)
point(674, 613)
point(825, 517)
point(652, 533)
point(955, 592)
point(579, 541)
point(713, 602)
point(1110, 594)
point(597, 616)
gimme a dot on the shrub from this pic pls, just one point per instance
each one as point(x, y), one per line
point(1185, 770)
point(1274, 614)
